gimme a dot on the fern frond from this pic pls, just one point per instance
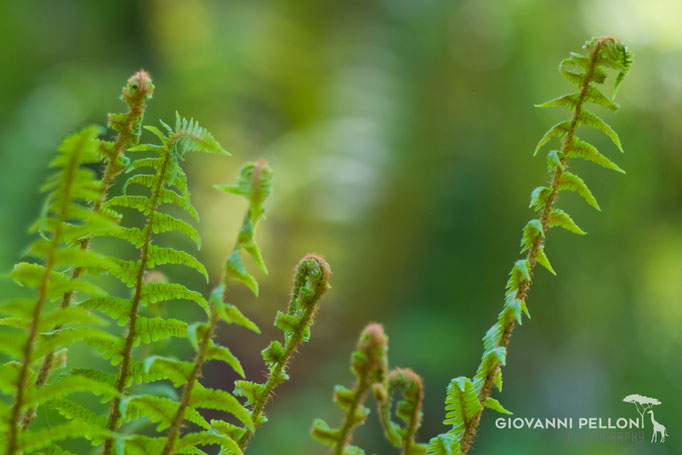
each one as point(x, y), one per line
point(136, 93)
point(466, 399)
point(369, 364)
point(409, 410)
point(71, 184)
point(256, 178)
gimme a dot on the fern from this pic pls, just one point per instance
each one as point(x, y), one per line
point(70, 189)
point(128, 126)
point(255, 185)
point(369, 363)
point(167, 178)
point(311, 281)
point(467, 398)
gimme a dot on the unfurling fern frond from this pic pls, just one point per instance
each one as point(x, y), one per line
point(369, 365)
point(136, 92)
point(409, 409)
point(166, 184)
point(311, 281)
point(466, 398)
point(71, 189)
point(255, 185)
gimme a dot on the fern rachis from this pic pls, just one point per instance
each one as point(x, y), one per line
point(136, 93)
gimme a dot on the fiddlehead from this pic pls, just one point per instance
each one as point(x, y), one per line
point(466, 398)
point(369, 364)
point(409, 409)
point(311, 281)
point(255, 184)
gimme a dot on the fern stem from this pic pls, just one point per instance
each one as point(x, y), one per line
point(369, 363)
point(275, 376)
point(129, 136)
point(468, 436)
point(307, 275)
point(124, 372)
point(22, 381)
point(199, 359)
point(413, 390)
point(362, 385)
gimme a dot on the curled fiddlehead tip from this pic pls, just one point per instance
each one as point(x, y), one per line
point(139, 86)
point(311, 279)
point(372, 352)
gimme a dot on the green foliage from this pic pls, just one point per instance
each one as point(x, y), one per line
point(369, 365)
point(65, 307)
point(467, 398)
point(62, 305)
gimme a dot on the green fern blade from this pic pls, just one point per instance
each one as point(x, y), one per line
point(154, 329)
point(587, 151)
point(164, 223)
point(571, 182)
point(39, 439)
point(114, 307)
point(222, 401)
point(444, 444)
point(559, 130)
point(222, 353)
point(590, 119)
point(159, 256)
point(157, 292)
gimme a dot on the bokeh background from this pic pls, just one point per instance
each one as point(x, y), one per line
point(401, 136)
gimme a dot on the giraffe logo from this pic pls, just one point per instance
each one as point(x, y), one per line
point(644, 406)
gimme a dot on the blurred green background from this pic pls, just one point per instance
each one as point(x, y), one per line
point(401, 136)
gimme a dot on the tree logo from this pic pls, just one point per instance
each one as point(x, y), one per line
point(644, 406)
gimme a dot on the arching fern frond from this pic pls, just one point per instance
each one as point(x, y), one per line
point(71, 188)
point(467, 399)
point(167, 184)
point(255, 179)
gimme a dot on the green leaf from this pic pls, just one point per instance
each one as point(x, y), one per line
point(159, 256)
point(590, 119)
point(495, 405)
point(165, 223)
point(324, 434)
point(586, 151)
point(217, 352)
point(154, 329)
point(461, 403)
point(158, 292)
point(558, 217)
point(220, 400)
point(571, 182)
point(444, 444)
point(558, 130)
point(544, 261)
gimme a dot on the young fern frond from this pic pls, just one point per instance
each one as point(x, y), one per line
point(409, 409)
point(369, 365)
point(166, 184)
point(467, 398)
point(255, 184)
point(71, 189)
point(311, 281)
point(136, 92)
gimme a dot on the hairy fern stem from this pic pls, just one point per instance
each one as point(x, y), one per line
point(37, 309)
point(136, 93)
point(115, 413)
point(535, 249)
point(311, 281)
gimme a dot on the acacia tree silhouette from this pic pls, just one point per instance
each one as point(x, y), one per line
point(642, 403)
